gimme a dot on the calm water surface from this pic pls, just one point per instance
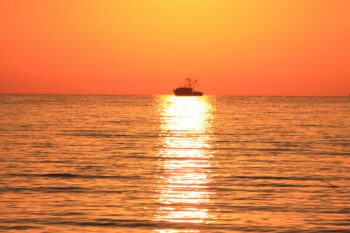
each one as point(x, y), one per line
point(168, 164)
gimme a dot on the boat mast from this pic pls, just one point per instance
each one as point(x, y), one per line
point(188, 83)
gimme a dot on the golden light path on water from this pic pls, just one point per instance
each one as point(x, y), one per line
point(183, 186)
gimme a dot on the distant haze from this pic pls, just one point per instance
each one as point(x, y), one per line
point(272, 47)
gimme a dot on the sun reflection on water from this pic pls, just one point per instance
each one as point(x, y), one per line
point(176, 231)
point(185, 160)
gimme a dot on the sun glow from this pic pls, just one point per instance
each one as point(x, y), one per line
point(185, 159)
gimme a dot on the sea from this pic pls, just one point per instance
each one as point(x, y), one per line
point(167, 164)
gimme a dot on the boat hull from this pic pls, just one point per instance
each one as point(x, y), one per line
point(182, 91)
point(192, 94)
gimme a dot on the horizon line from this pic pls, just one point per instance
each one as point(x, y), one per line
point(110, 94)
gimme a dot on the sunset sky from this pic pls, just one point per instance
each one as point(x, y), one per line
point(233, 47)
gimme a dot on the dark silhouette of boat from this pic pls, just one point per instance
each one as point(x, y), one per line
point(188, 89)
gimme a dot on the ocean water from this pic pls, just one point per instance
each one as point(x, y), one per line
point(166, 164)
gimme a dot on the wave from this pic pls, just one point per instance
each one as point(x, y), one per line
point(163, 225)
point(70, 175)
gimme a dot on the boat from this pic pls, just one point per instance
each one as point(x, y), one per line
point(187, 89)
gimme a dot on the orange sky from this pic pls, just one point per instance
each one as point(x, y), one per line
point(233, 47)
